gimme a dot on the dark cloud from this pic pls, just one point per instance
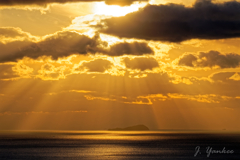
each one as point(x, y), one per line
point(187, 60)
point(44, 2)
point(134, 48)
point(63, 44)
point(12, 47)
point(210, 59)
point(58, 45)
point(176, 23)
point(98, 65)
point(141, 63)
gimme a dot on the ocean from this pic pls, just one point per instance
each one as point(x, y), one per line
point(59, 145)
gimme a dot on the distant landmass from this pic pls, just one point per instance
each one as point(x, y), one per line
point(131, 128)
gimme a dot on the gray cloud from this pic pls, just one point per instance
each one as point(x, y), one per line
point(44, 2)
point(134, 48)
point(176, 23)
point(11, 48)
point(63, 44)
point(141, 63)
point(210, 59)
point(58, 45)
point(187, 60)
point(98, 65)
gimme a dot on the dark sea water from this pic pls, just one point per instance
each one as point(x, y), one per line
point(118, 145)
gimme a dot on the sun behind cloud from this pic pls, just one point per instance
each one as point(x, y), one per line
point(114, 10)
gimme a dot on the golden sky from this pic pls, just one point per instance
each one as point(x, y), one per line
point(95, 64)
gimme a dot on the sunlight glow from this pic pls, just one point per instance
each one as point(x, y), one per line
point(114, 10)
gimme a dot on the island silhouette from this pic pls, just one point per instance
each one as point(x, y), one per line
point(131, 128)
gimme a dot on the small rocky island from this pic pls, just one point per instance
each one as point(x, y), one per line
point(131, 128)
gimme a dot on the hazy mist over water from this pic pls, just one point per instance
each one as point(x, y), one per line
point(118, 145)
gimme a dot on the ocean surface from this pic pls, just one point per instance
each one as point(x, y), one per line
point(59, 145)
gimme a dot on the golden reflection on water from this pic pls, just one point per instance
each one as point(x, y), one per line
point(108, 144)
point(95, 135)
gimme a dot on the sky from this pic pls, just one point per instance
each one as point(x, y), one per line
point(95, 64)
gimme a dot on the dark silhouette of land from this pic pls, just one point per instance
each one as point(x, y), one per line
point(131, 128)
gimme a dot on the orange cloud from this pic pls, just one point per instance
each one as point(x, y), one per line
point(90, 97)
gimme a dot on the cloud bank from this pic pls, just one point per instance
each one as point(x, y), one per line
point(63, 44)
point(176, 23)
